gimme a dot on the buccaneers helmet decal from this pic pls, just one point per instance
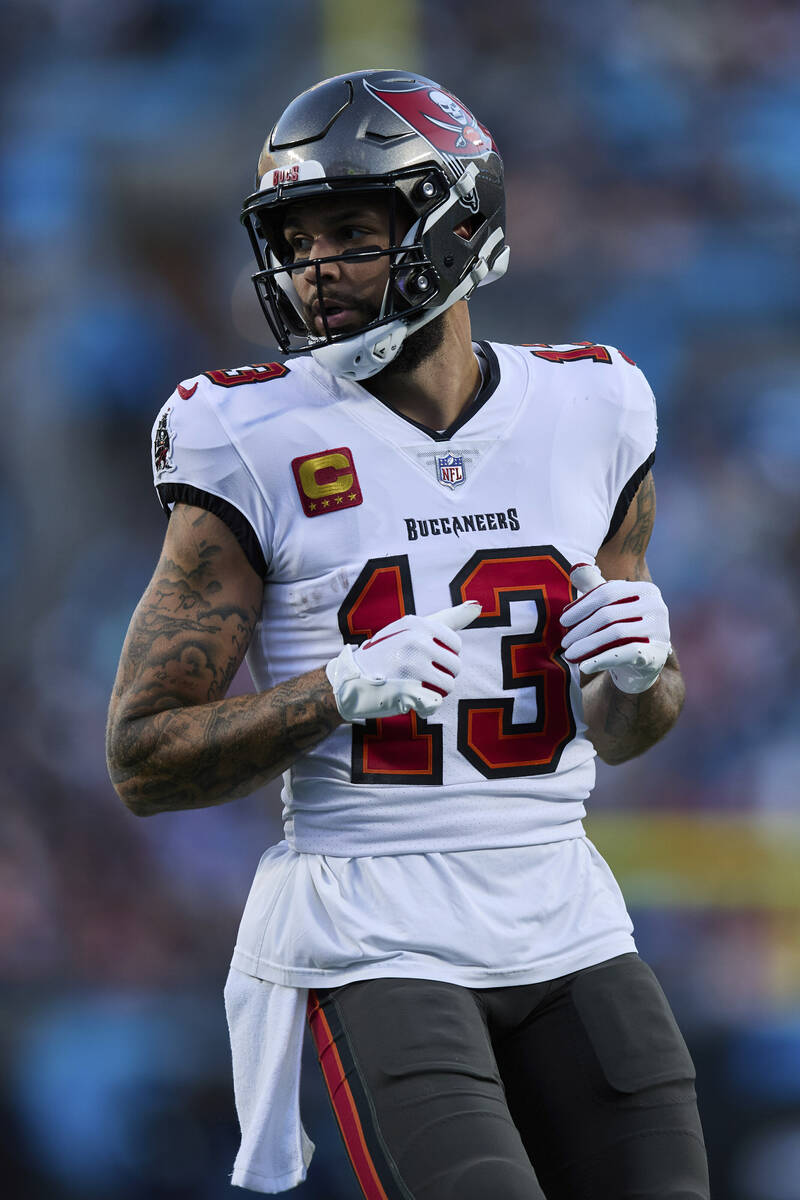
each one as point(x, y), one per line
point(439, 117)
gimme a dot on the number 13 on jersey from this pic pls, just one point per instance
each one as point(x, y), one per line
point(407, 749)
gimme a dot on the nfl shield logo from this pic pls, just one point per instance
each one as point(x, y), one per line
point(450, 469)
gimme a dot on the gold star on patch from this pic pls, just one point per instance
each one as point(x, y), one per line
point(352, 496)
point(339, 499)
point(312, 505)
point(325, 503)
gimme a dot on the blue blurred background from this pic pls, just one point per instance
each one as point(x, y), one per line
point(654, 178)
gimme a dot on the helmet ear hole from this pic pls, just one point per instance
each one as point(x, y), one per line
point(467, 229)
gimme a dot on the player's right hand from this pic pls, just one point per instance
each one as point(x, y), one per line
point(412, 663)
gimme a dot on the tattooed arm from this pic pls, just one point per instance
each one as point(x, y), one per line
point(173, 741)
point(622, 725)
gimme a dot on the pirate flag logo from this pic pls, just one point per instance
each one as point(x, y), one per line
point(162, 444)
point(440, 118)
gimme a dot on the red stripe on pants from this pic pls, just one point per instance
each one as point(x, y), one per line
point(343, 1103)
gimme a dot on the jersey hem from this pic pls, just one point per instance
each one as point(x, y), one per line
point(247, 1177)
point(462, 975)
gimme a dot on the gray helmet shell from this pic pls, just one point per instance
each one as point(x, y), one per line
point(402, 135)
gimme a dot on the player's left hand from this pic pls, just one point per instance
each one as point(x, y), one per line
point(616, 626)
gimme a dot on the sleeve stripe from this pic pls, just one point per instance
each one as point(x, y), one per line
point(240, 527)
point(626, 496)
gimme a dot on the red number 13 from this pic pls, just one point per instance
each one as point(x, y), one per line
point(406, 749)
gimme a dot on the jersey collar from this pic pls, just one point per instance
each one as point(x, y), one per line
point(489, 382)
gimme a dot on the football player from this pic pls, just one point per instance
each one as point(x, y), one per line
point(432, 551)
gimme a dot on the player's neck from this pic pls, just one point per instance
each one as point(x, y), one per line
point(437, 391)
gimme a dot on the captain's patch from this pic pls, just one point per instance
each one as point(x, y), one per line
point(327, 481)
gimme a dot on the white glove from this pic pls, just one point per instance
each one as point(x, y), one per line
point(620, 626)
point(411, 663)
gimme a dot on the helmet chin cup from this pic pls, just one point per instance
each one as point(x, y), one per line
point(364, 354)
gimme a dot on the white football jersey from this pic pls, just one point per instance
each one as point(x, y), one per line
point(357, 515)
point(451, 848)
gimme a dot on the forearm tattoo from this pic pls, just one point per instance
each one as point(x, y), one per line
point(172, 740)
point(211, 753)
point(623, 726)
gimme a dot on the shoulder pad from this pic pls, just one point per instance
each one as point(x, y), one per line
point(624, 386)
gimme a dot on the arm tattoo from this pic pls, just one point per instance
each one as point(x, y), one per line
point(174, 638)
point(638, 536)
point(210, 753)
point(173, 741)
point(623, 726)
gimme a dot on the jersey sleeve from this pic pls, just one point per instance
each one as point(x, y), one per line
point(636, 438)
point(196, 462)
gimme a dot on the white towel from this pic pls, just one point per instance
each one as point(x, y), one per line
point(266, 1023)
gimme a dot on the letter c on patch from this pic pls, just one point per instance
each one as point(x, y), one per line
point(336, 468)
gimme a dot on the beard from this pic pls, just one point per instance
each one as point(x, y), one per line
point(416, 349)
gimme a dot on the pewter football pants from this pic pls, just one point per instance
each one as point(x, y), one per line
point(451, 1093)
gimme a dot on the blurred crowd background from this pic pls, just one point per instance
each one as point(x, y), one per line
point(653, 166)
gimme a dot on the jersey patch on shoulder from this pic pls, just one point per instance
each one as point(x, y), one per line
point(327, 481)
point(257, 373)
point(163, 440)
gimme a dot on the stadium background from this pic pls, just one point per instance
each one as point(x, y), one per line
point(653, 178)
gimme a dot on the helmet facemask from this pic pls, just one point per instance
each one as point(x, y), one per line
point(412, 281)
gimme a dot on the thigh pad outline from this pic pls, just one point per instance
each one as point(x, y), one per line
point(630, 1025)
